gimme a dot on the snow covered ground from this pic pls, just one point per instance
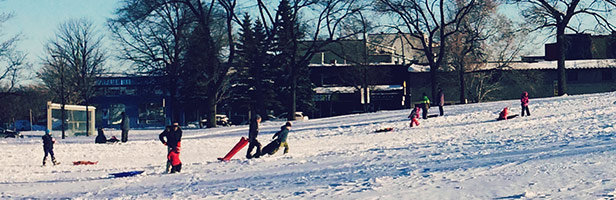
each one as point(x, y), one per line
point(565, 150)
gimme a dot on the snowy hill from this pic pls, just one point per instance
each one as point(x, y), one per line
point(565, 150)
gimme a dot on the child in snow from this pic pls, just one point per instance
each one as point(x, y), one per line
point(282, 138)
point(425, 105)
point(174, 158)
point(173, 134)
point(414, 116)
point(524, 103)
point(503, 114)
point(253, 132)
point(48, 142)
point(100, 138)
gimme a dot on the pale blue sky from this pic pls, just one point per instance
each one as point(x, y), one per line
point(37, 20)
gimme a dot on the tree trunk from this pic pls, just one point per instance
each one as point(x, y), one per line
point(562, 48)
point(293, 103)
point(433, 71)
point(211, 109)
point(462, 85)
point(87, 119)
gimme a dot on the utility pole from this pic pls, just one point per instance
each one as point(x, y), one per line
point(62, 111)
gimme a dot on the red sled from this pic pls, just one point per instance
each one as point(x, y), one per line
point(83, 162)
point(241, 144)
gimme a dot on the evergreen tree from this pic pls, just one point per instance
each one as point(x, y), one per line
point(296, 84)
point(254, 84)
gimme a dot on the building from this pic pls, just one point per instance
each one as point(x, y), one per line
point(584, 46)
point(138, 95)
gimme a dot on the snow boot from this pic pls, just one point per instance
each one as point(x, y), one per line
point(53, 160)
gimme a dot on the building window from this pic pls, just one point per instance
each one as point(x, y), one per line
point(606, 74)
point(572, 76)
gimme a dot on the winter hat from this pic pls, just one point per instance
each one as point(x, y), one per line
point(47, 131)
point(288, 124)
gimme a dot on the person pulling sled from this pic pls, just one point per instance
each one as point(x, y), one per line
point(280, 140)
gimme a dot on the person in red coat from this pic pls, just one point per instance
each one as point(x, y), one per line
point(414, 116)
point(524, 103)
point(174, 159)
point(503, 114)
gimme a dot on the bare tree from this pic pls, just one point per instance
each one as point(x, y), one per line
point(77, 49)
point(11, 60)
point(430, 21)
point(153, 35)
point(557, 15)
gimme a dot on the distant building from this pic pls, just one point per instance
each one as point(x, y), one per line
point(584, 46)
point(137, 95)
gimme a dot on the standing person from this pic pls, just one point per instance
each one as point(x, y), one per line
point(441, 101)
point(414, 116)
point(173, 134)
point(281, 136)
point(425, 105)
point(48, 142)
point(524, 102)
point(125, 126)
point(253, 132)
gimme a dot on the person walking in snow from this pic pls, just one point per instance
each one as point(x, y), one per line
point(425, 105)
point(173, 134)
point(414, 116)
point(441, 101)
point(524, 103)
point(253, 132)
point(48, 142)
point(281, 136)
point(125, 126)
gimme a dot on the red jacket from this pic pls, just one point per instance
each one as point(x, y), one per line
point(524, 99)
point(414, 113)
point(503, 114)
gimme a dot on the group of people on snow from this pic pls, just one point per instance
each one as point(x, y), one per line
point(424, 104)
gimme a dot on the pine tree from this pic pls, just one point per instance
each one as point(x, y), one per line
point(254, 83)
point(297, 85)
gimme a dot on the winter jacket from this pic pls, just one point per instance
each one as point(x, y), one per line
point(125, 125)
point(441, 98)
point(524, 99)
point(282, 134)
point(100, 139)
point(173, 137)
point(425, 100)
point(174, 157)
point(48, 141)
point(503, 114)
point(414, 113)
point(253, 131)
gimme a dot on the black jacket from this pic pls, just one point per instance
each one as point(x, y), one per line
point(253, 131)
point(47, 141)
point(173, 137)
point(125, 124)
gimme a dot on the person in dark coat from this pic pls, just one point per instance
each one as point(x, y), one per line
point(425, 105)
point(441, 101)
point(100, 138)
point(48, 142)
point(524, 103)
point(125, 126)
point(253, 132)
point(281, 136)
point(173, 134)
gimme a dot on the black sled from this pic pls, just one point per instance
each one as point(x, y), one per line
point(270, 148)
